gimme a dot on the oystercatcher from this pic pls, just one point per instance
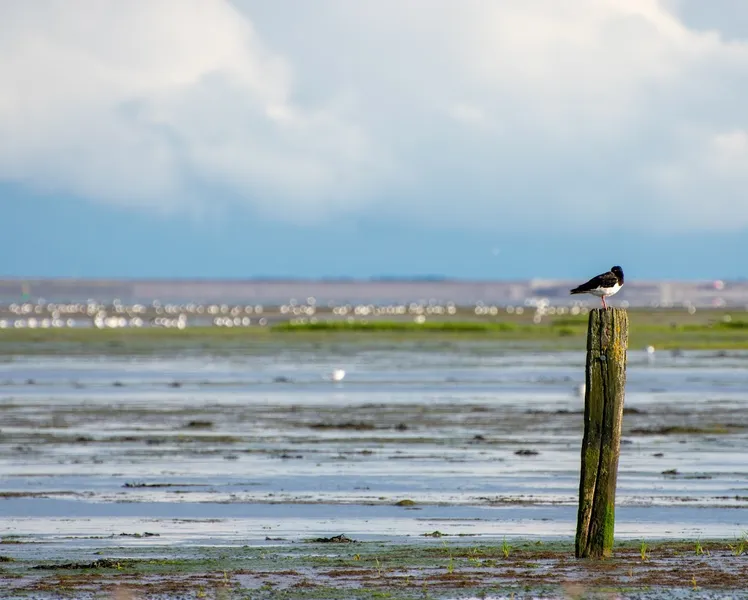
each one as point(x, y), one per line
point(603, 285)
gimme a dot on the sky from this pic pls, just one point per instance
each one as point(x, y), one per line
point(477, 139)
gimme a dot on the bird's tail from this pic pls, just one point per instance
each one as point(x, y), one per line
point(577, 290)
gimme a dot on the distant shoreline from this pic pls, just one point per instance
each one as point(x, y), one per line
point(378, 291)
point(664, 330)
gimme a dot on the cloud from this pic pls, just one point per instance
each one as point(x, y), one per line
point(713, 171)
point(134, 103)
point(467, 114)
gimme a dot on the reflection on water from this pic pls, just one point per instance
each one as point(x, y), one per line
point(245, 447)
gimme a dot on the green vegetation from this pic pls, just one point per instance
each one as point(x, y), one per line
point(643, 551)
point(380, 570)
point(699, 549)
point(401, 326)
point(739, 548)
point(405, 502)
point(506, 549)
point(663, 329)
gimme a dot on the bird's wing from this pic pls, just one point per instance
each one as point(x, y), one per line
point(600, 281)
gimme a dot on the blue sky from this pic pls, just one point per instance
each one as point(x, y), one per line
point(511, 139)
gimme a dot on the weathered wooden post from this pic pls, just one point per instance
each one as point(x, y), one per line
point(605, 380)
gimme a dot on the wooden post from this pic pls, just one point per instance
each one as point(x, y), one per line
point(605, 380)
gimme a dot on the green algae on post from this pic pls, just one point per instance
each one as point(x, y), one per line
point(605, 376)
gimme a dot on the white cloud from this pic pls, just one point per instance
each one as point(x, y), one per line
point(470, 112)
point(711, 172)
point(467, 113)
point(133, 102)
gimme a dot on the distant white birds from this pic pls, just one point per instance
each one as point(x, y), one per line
point(337, 375)
point(650, 353)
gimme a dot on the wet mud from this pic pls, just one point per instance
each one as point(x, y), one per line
point(445, 569)
point(442, 473)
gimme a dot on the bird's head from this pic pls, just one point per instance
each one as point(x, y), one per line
point(618, 272)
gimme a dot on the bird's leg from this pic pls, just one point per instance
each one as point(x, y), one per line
point(605, 306)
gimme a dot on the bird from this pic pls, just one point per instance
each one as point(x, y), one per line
point(337, 375)
point(650, 350)
point(603, 285)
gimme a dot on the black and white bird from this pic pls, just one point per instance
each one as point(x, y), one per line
point(603, 285)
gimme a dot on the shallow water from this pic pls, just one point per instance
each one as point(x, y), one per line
point(225, 450)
